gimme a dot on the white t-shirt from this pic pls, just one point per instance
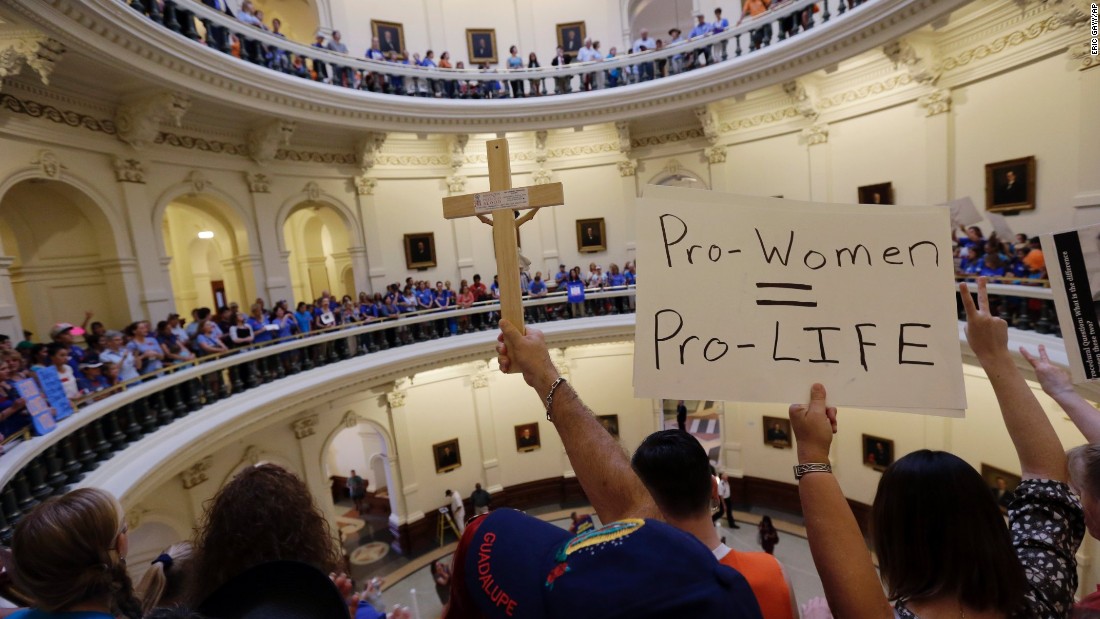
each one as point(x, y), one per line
point(456, 502)
point(723, 489)
point(68, 381)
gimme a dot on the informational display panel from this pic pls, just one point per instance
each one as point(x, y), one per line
point(1073, 267)
point(754, 299)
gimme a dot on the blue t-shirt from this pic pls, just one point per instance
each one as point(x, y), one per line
point(304, 320)
point(515, 62)
point(34, 613)
point(259, 334)
point(631, 279)
point(537, 286)
point(616, 279)
point(425, 298)
point(139, 348)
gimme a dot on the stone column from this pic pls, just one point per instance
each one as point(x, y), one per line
point(310, 446)
point(406, 487)
point(938, 136)
point(357, 256)
point(629, 185)
point(483, 409)
point(816, 138)
point(10, 324)
point(276, 284)
point(373, 276)
point(148, 291)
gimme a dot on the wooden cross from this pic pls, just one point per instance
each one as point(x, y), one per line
point(502, 202)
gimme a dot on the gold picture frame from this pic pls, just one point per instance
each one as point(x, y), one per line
point(481, 45)
point(591, 235)
point(420, 250)
point(527, 437)
point(1010, 185)
point(447, 456)
point(571, 37)
point(390, 35)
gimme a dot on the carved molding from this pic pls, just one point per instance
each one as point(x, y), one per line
point(541, 177)
point(129, 170)
point(936, 102)
point(306, 426)
point(458, 150)
point(480, 380)
point(364, 185)
point(48, 164)
point(264, 140)
point(760, 119)
point(1082, 53)
point(862, 92)
point(998, 45)
point(708, 119)
point(668, 138)
point(622, 127)
point(1071, 13)
point(816, 134)
point(350, 420)
point(540, 146)
point(367, 148)
point(73, 119)
point(312, 191)
point(396, 398)
point(627, 168)
point(801, 99)
point(715, 154)
point(258, 182)
point(198, 181)
point(456, 184)
point(139, 122)
point(135, 515)
point(196, 474)
point(29, 49)
point(904, 54)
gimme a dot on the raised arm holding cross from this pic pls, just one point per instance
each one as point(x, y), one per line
point(502, 202)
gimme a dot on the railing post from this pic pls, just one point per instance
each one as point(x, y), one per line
point(9, 505)
point(187, 24)
point(825, 10)
point(100, 445)
point(170, 21)
point(69, 464)
point(235, 379)
point(737, 51)
point(23, 496)
point(251, 374)
point(114, 430)
point(36, 476)
point(54, 476)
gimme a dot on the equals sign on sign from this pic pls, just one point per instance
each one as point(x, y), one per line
point(785, 286)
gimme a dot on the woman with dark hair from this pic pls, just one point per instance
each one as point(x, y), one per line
point(767, 536)
point(264, 514)
point(70, 558)
point(942, 544)
point(441, 574)
point(536, 85)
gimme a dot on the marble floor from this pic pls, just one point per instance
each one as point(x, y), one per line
point(412, 584)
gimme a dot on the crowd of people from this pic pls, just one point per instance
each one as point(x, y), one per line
point(105, 359)
point(697, 52)
point(943, 547)
point(976, 255)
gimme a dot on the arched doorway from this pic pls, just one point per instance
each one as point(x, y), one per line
point(206, 240)
point(317, 239)
point(366, 535)
point(64, 257)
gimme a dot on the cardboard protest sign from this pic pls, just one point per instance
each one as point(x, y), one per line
point(1073, 267)
point(963, 212)
point(54, 392)
point(37, 407)
point(1001, 227)
point(754, 299)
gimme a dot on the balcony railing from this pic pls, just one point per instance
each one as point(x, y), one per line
point(215, 29)
point(37, 467)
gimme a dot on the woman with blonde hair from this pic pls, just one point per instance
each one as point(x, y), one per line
point(70, 558)
point(165, 582)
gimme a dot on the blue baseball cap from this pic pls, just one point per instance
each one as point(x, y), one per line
point(510, 565)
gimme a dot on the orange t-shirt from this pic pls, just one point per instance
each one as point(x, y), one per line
point(764, 575)
point(1035, 260)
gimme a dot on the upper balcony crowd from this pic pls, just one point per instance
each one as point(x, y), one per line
point(110, 359)
point(659, 57)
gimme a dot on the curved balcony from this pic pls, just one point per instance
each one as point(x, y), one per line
point(152, 425)
point(110, 31)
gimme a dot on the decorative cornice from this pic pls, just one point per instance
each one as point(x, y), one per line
point(816, 134)
point(350, 420)
point(904, 54)
point(396, 398)
point(1082, 53)
point(48, 164)
point(193, 143)
point(312, 191)
point(540, 146)
point(801, 99)
point(315, 157)
point(668, 138)
point(622, 127)
point(306, 426)
point(367, 147)
point(31, 49)
point(541, 177)
point(258, 182)
point(876, 88)
point(1013, 39)
point(196, 473)
point(129, 170)
point(936, 102)
point(458, 150)
point(264, 140)
point(139, 122)
point(715, 154)
point(760, 119)
point(198, 181)
point(480, 380)
point(413, 160)
point(53, 114)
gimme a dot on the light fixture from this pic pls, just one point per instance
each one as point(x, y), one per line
point(206, 234)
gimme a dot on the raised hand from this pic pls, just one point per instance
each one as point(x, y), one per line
point(526, 353)
point(1054, 379)
point(814, 425)
point(986, 334)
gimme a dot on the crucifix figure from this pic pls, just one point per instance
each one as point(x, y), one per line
point(502, 202)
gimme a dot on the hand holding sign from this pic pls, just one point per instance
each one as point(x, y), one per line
point(526, 353)
point(814, 426)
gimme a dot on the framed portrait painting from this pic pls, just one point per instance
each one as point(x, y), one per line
point(777, 432)
point(571, 38)
point(481, 44)
point(390, 35)
point(1001, 483)
point(447, 456)
point(882, 193)
point(591, 235)
point(420, 250)
point(527, 437)
point(609, 423)
point(1010, 185)
point(878, 452)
